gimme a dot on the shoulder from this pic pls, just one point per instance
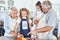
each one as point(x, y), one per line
point(18, 19)
point(52, 13)
point(6, 17)
point(51, 16)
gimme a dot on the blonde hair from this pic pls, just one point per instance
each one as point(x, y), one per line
point(13, 8)
point(28, 14)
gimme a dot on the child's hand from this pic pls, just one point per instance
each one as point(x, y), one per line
point(36, 21)
point(20, 35)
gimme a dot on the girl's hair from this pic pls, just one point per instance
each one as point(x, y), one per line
point(39, 4)
point(28, 14)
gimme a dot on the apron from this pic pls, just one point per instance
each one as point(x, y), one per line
point(24, 28)
point(41, 24)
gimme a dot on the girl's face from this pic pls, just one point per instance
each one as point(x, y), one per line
point(38, 7)
point(24, 13)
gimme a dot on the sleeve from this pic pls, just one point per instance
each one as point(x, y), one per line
point(18, 20)
point(52, 20)
point(6, 25)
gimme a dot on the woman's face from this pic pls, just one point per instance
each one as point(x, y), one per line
point(13, 14)
point(38, 7)
point(24, 13)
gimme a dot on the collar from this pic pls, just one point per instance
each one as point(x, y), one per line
point(23, 17)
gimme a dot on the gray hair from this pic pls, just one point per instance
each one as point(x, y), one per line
point(47, 4)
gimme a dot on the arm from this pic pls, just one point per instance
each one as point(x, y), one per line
point(35, 20)
point(44, 29)
point(17, 24)
point(16, 28)
point(50, 24)
point(6, 25)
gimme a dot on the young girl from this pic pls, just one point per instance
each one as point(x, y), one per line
point(24, 23)
point(37, 17)
point(38, 13)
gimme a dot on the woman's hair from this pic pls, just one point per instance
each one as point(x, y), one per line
point(28, 14)
point(13, 8)
point(39, 4)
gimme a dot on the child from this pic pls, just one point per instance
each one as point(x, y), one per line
point(37, 17)
point(38, 14)
point(9, 24)
point(24, 23)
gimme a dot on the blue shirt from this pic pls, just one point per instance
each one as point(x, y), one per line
point(51, 20)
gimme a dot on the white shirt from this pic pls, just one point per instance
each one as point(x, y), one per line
point(12, 24)
point(9, 25)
